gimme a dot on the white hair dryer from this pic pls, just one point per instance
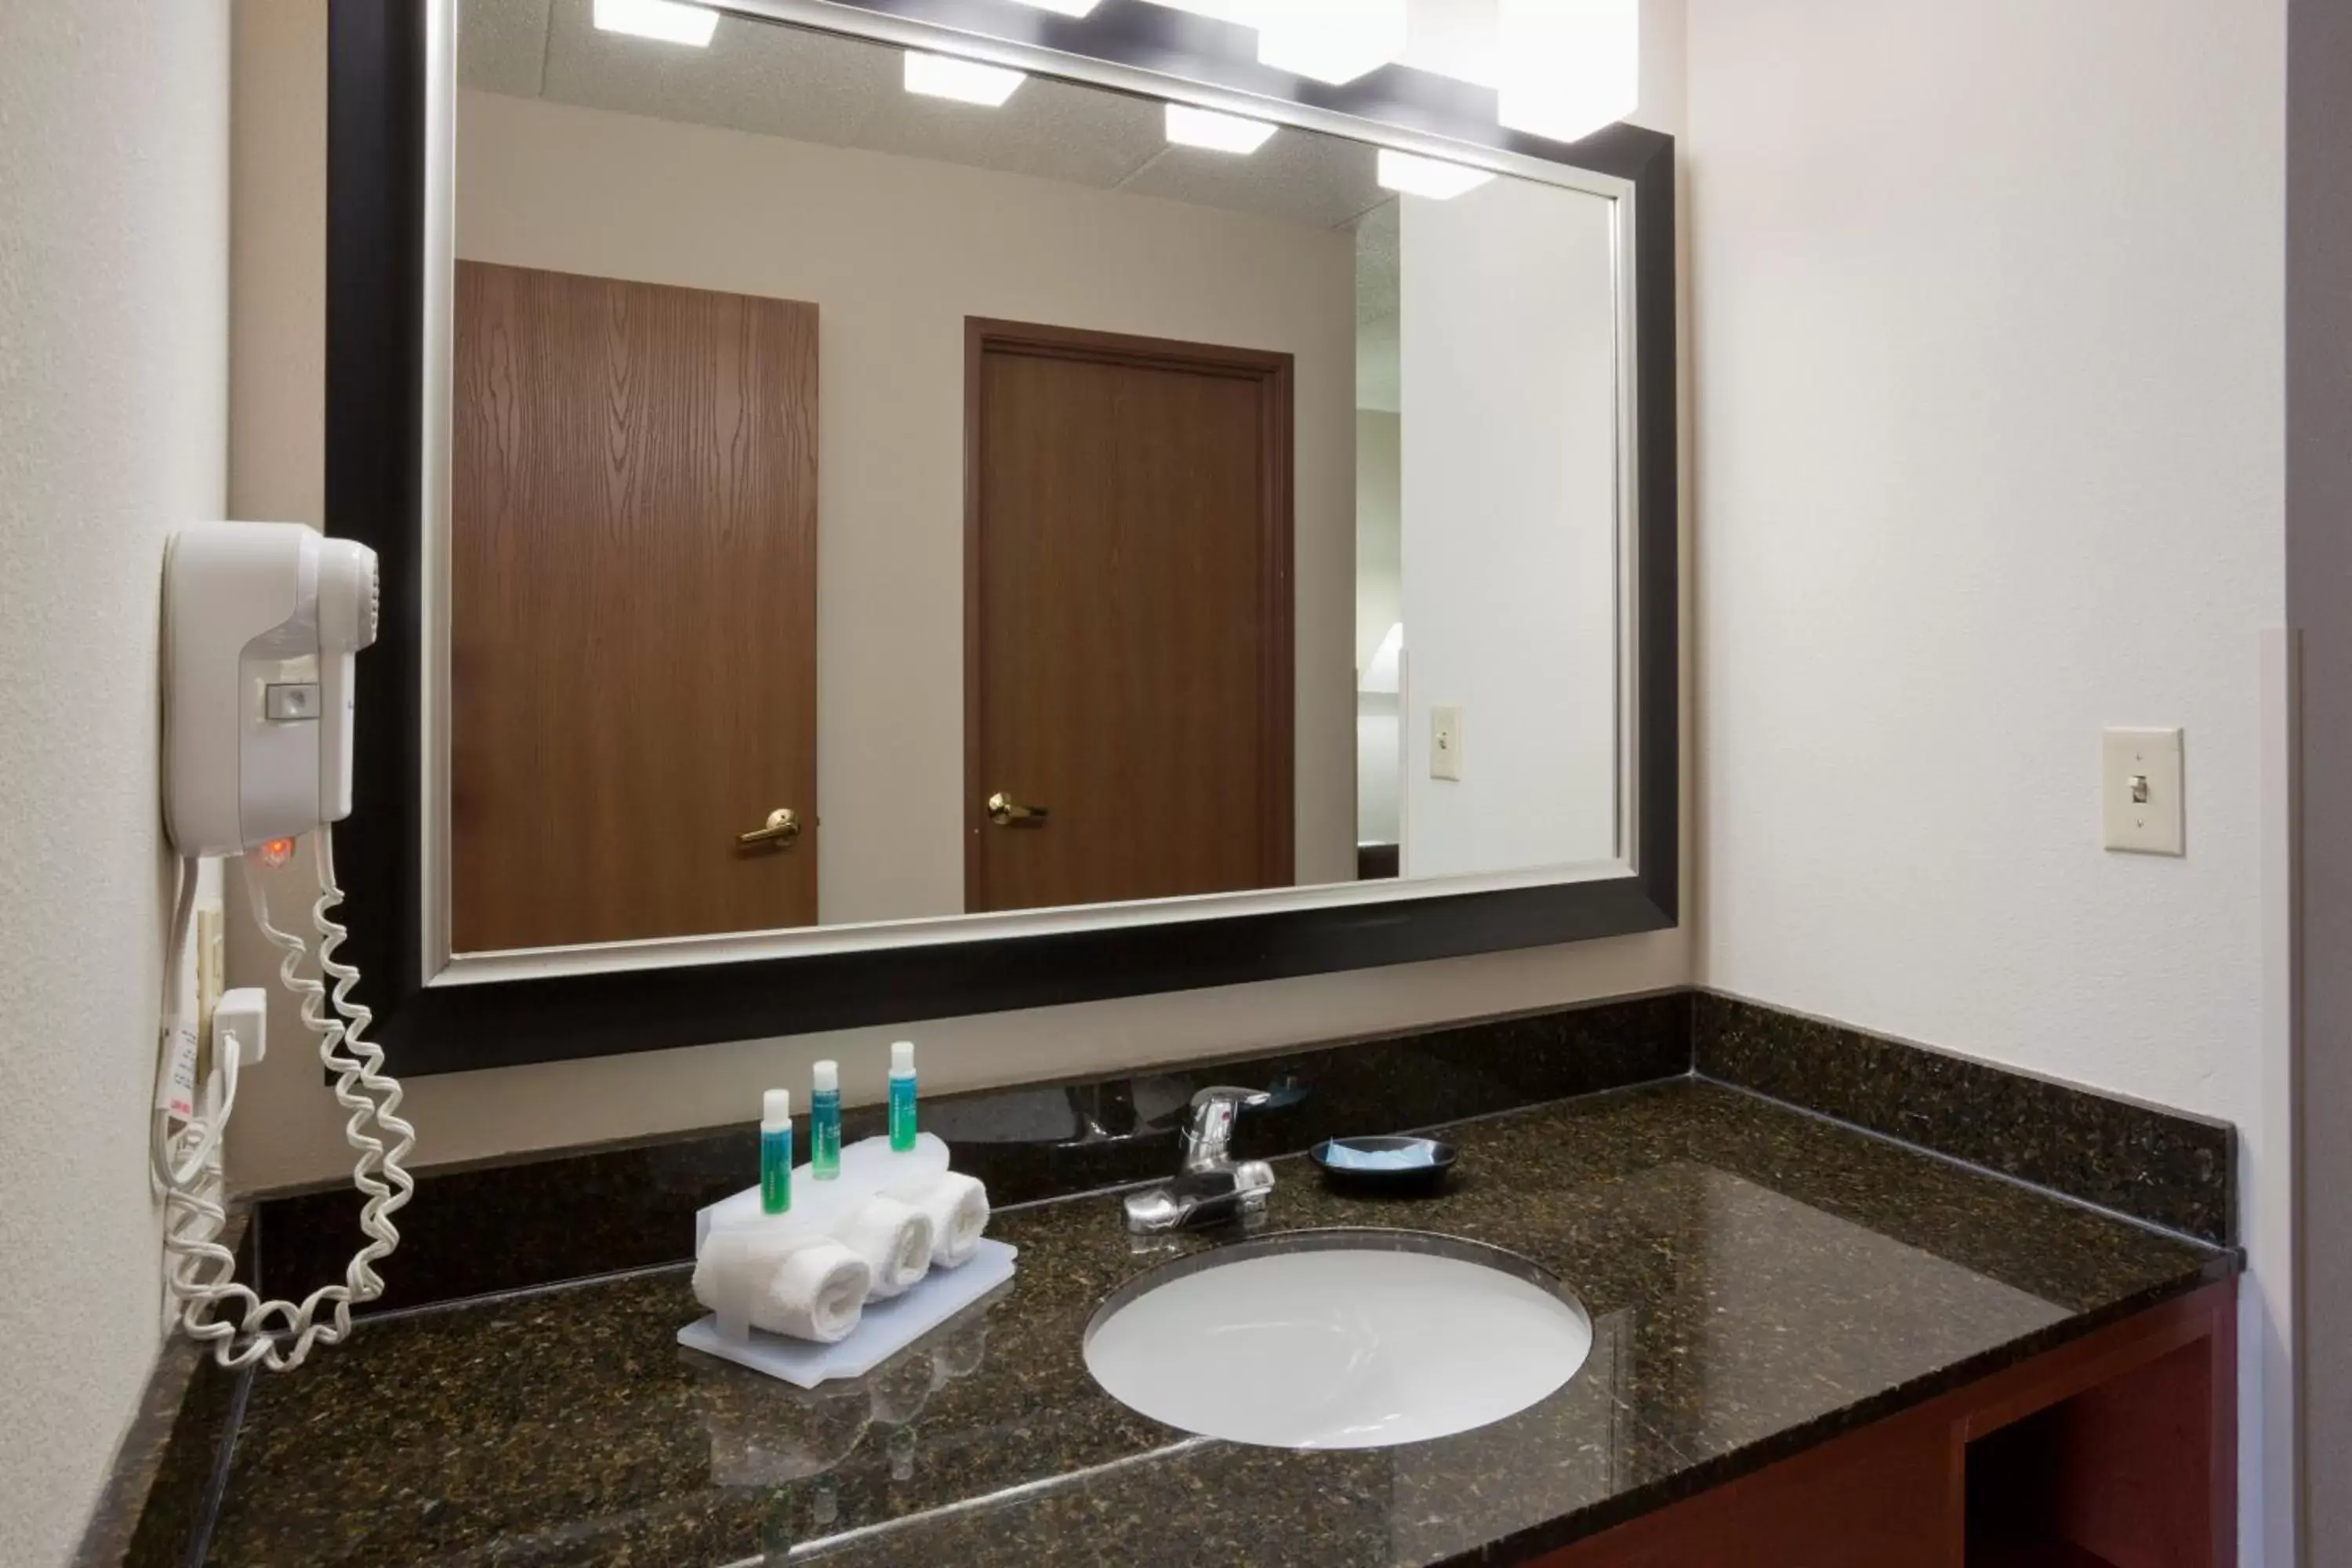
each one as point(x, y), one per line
point(262, 622)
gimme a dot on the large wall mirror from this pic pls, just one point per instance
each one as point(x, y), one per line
point(904, 521)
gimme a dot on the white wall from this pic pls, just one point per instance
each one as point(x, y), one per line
point(1379, 530)
point(288, 1128)
point(1989, 403)
point(1510, 526)
point(113, 431)
point(896, 252)
point(1379, 605)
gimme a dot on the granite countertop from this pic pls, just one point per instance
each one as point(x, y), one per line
point(1759, 1279)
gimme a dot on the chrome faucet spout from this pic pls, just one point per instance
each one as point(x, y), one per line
point(1207, 1140)
point(1208, 1188)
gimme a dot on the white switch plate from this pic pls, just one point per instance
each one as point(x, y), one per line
point(2139, 791)
point(1445, 742)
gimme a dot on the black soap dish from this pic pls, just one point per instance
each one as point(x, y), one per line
point(1384, 1164)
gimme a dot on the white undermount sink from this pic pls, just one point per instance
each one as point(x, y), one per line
point(1338, 1338)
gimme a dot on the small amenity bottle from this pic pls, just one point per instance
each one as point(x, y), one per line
point(776, 1151)
point(902, 1096)
point(824, 1123)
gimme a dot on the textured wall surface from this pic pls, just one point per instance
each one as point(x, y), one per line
point(1991, 334)
point(113, 431)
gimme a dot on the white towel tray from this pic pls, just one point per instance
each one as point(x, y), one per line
point(885, 1329)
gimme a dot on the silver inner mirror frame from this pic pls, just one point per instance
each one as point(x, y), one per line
point(444, 967)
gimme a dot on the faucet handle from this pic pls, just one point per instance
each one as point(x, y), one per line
point(1213, 1110)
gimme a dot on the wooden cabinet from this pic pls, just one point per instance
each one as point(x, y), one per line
point(2117, 1450)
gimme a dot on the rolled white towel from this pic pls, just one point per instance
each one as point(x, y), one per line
point(895, 1240)
point(785, 1280)
point(957, 1206)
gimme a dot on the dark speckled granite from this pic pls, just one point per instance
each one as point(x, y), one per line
point(474, 1230)
point(155, 1508)
point(1758, 1280)
point(2163, 1166)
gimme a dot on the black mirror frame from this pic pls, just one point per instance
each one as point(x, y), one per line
point(377, 64)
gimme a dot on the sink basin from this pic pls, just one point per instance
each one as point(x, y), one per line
point(1338, 1338)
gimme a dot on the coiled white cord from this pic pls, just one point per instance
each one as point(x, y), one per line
point(187, 1160)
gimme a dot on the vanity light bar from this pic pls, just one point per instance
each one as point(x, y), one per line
point(1194, 127)
point(967, 81)
point(1432, 177)
point(1333, 41)
point(1568, 67)
point(668, 21)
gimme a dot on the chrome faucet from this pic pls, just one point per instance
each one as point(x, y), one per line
point(1208, 1188)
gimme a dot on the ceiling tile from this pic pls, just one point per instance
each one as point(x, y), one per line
point(760, 76)
point(1047, 128)
point(1297, 174)
point(501, 45)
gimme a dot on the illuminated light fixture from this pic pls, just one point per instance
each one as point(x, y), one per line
point(1219, 133)
point(1241, 12)
point(667, 20)
point(1430, 177)
point(968, 82)
point(1064, 7)
point(1568, 67)
point(1334, 41)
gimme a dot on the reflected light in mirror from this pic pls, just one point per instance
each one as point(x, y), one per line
point(968, 82)
point(1219, 132)
point(1384, 674)
point(1569, 66)
point(1330, 40)
point(1064, 7)
point(667, 20)
point(1430, 177)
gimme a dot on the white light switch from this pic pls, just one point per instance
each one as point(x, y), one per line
point(2139, 791)
point(1445, 742)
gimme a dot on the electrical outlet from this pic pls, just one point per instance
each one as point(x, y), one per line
point(1445, 743)
point(2140, 791)
point(212, 969)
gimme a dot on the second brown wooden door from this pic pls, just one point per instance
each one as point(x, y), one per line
point(632, 678)
point(1128, 618)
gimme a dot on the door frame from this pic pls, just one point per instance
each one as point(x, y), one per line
point(1277, 588)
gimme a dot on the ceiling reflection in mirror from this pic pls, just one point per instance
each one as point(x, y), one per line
point(869, 502)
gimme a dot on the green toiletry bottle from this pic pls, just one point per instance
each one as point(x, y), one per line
point(824, 1123)
point(902, 1096)
point(776, 1151)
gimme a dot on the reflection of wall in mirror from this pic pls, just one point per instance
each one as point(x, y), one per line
point(1379, 606)
point(896, 252)
point(1508, 392)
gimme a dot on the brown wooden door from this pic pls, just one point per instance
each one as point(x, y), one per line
point(633, 608)
point(1127, 617)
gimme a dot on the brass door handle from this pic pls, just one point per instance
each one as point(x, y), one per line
point(783, 826)
point(1005, 811)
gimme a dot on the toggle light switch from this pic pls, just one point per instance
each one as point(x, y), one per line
point(1445, 743)
point(2140, 791)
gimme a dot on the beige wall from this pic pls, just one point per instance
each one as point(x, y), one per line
point(895, 253)
point(114, 157)
point(1993, 451)
point(288, 1129)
